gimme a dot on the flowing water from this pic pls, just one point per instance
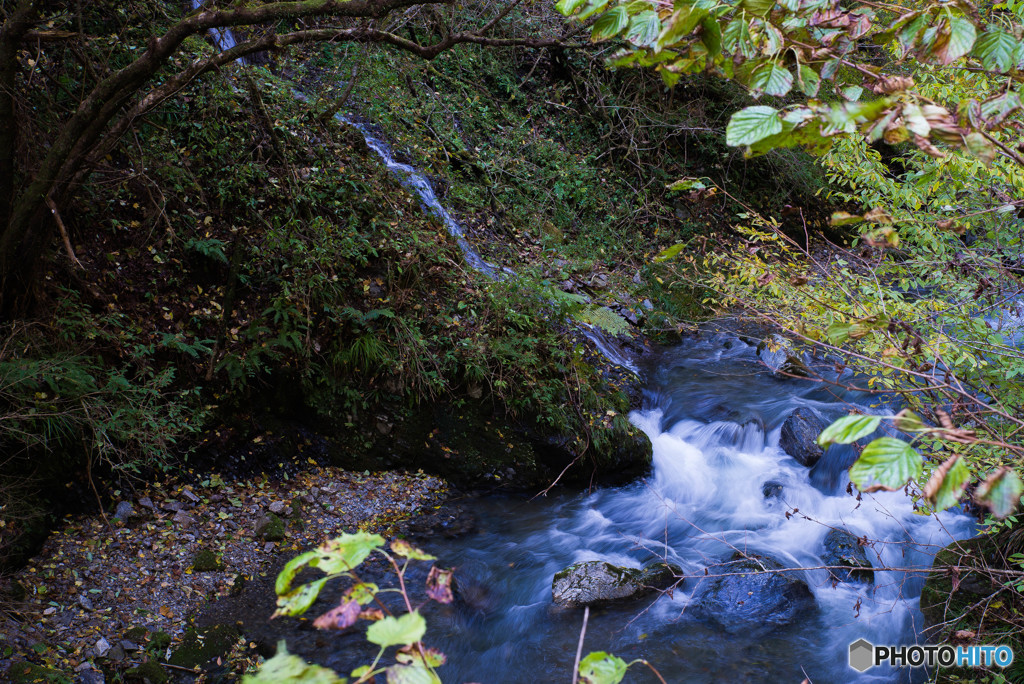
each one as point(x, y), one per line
point(713, 414)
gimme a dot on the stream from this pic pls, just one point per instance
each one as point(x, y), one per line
point(714, 415)
point(713, 411)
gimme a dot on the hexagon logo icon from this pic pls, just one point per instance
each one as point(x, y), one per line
point(862, 655)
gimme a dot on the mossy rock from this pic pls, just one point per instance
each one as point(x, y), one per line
point(207, 561)
point(23, 673)
point(271, 528)
point(149, 672)
point(200, 646)
point(137, 634)
point(159, 642)
point(597, 582)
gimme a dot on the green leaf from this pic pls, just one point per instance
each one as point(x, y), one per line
point(298, 601)
point(771, 79)
point(411, 674)
point(980, 146)
point(848, 429)
point(284, 668)
point(602, 668)
point(1000, 492)
point(736, 37)
point(292, 568)
point(751, 124)
point(947, 483)
point(671, 252)
point(362, 592)
point(844, 218)
point(400, 631)
point(961, 39)
point(908, 421)
point(403, 548)
point(592, 8)
point(711, 35)
point(681, 23)
point(809, 81)
point(684, 184)
point(346, 552)
point(644, 29)
point(995, 49)
point(569, 7)
point(610, 24)
point(852, 93)
point(888, 463)
point(758, 8)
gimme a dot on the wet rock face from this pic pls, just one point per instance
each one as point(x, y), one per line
point(596, 582)
point(746, 595)
point(798, 436)
point(843, 549)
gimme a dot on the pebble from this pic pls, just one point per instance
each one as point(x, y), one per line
point(124, 510)
point(102, 647)
point(276, 507)
point(146, 502)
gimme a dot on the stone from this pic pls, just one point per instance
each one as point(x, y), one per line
point(124, 510)
point(647, 305)
point(798, 436)
point(200, 646)
point(270, 528)
point(843, 549)
point(116, 653)
point(149, 671)
point(188, 494)
point(182, 518)
point(748, 595)
point(146, 502)
point(172, 505)
point(130, 645)
point(102, 647)
point(276, 507)
point(91, 676)
point(596, 582)
point(85, 602)
point(206, 561)
point(772, 490)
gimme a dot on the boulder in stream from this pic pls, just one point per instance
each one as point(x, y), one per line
point(798, 436)
point(843, 549)
point(596, 582)
point(751, 594)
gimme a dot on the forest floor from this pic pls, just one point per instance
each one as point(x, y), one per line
point(105, 594)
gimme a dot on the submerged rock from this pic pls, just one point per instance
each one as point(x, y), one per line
point(595, 582)
point(749, 594)
point(772, 490)
point(798, 436)
point(843, 549)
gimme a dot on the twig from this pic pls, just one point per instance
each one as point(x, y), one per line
point(579, 647)
point(63, 233)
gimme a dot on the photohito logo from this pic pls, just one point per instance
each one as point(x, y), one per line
point(864, 655)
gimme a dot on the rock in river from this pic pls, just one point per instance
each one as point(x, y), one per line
point(592, 582)
point(798, 436)
point(747, 594)
point(843, 549)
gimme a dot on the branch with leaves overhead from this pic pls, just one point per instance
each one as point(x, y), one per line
point(798, 46)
